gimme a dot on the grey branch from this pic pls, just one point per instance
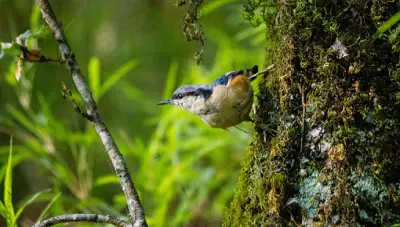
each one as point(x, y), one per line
point(265, 70)
point(135, 208)
point(66, 218)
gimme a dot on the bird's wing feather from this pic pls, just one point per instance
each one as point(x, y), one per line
point(194, 90)
point(223, 80)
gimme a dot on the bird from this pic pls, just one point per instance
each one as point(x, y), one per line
point(224, 103)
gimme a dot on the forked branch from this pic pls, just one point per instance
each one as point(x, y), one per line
point(67, 218)
point(135, 208)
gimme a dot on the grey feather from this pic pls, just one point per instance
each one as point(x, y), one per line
point(201, 90)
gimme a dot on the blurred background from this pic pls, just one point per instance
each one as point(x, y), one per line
point(133, 54)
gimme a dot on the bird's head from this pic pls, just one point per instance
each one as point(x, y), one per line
point(190, 97)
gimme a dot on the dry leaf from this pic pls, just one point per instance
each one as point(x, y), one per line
point(18, 70)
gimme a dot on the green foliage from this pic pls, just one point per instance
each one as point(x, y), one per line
point(22, 40)
point(29, 201)
point(183, 169)
point(117, 76)
point(47, 208)
point(10, 216)
point(7, 208)
point(388, 24)
point(98, 89)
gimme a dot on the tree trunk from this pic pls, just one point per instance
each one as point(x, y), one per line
point(326, 150)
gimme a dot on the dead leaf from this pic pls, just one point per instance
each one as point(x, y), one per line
point(18, 70)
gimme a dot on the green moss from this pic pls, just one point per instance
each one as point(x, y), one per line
point(330, 155)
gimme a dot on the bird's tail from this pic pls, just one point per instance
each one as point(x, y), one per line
point(255, 72)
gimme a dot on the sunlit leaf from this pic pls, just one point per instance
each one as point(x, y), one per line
point(94, 76)
point(43, 33)
point(117, 75)
point(3, 210)
point(16, 160)
point(35, 17)
point(29, 201)
point(388, 24)
point(107, 179)
point(47, 208)
point(8, 189)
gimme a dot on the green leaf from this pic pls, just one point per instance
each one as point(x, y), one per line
point(16, 160)
point(3, 210)
point(21, 118)
point(29, 201)
point(35, 17)
point(42, 33)
point(8, 189)
point(388, 24)
point(46, 209)
point(94, 76)
point(107, 179)
point(11, 49)
point(117, 75)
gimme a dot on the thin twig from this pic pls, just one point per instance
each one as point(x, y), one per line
point(135, 209)
point(66, 93)
point(66, 218)
point(265, 70)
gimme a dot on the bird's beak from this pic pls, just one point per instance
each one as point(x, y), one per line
point(164, 102)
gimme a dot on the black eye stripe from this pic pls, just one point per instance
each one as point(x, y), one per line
point(204, 91)
point(199, 92)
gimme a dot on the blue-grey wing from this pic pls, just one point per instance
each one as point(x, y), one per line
point(223, 80)
point(204, 91)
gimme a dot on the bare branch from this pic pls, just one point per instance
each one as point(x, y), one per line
point(135, 208)
point(66, 218)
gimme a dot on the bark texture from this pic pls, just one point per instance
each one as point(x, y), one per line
point(327, 144)
point(94, 218)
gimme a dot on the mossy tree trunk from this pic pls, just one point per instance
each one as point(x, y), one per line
point(327, 144)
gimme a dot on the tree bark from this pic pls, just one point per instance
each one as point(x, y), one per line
point(327, 149)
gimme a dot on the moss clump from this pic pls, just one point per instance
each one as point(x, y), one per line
point(333, 106)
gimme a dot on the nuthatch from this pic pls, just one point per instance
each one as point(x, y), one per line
point(224, 103)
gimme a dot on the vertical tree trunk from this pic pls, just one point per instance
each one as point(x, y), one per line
point(327, 149)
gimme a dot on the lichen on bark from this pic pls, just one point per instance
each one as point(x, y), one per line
point(327, 143)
